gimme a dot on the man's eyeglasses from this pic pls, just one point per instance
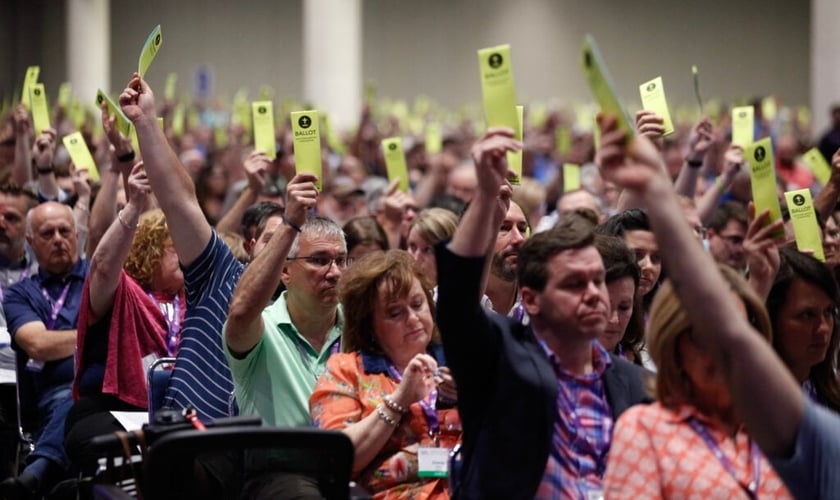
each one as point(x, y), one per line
point(324, 261)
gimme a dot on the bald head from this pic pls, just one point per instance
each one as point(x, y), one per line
point(51, 232)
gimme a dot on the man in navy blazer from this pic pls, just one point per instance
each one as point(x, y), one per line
point(537, 402)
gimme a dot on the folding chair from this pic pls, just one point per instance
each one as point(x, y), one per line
point(157, 380)
point(326, 456)
point(27, 415)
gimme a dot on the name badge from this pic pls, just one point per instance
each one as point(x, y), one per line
point(432, 462)
point(595, 495)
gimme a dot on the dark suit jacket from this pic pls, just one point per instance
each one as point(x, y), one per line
point(507, 389)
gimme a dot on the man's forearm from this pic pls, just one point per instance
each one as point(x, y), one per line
point(259, 281)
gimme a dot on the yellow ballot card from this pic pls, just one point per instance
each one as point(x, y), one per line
point(514, 158)
point(160, 123)
point(743, 126)
point(596, 136)
point(434, 139)
point(601, 85)
point(804, 220)
point(395, 161)
point(179, 117)
point(307, 141)
point(264, 135)
point(497, 87)
point(65, 94)
point(563, 140)
point(80, 154)
point(571, 177)
point(763, 175)
point(816, 162)
point(39, 107)
point(30, 79)
point(123, 124)
point(150, 50)
point(769, 108)
point(653, 99)
point(169, 89)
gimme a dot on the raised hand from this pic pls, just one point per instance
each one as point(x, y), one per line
point(762, 251)
point(139, 188)
point(21, 121)
point(700, 140)
point(137, 100)
point(490, 157)
point(634, 166)
point(256, 166)
point(43, 151)
point(650, 125)
point(121, 143)
point(301, 195)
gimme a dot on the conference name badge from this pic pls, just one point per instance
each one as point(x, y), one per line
point(432, 462)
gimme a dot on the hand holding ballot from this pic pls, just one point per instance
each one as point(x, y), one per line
point(137, 100)
point(700, 140)
point(650, 124)
point(634, 164)
point(43, 151)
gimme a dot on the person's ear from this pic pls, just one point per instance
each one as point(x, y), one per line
point(530, 300)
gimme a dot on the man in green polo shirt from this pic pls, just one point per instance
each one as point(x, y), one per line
point(276, 353)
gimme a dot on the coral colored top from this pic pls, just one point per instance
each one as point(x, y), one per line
point(349, 390)
point(656, 453)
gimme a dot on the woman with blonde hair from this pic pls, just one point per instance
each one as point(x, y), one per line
point(133, 306)
point(430, 227)
point(387, 390)
point(692, 442)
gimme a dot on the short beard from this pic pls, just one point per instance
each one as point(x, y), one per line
point(500, 269)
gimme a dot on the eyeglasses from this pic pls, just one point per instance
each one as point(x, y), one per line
point(324, 261)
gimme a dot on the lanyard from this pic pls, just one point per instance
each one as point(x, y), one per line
point(752, 488)
point(427, 404)
point(172, 316)
point(56, 306)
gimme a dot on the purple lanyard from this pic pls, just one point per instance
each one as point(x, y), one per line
point(427, 405)
point(752, 488)
point(56, 306)
point(23, 276)
point(172, 316)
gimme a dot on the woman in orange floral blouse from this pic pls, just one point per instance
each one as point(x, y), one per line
point(388, 390)
point(690, 443)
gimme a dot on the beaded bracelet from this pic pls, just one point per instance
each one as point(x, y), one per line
point(393, 405)
point(385, 418)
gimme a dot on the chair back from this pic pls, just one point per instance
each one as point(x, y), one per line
point(157, 380)
point(326, 456)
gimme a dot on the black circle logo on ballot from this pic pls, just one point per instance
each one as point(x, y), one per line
point(157, 40)
point(798, 200)
point(495, 60)
point(74, 141)
point(37, 91)
point(392, 146)
point(99, 99)
point(304, 122)
point(650, 86)
point(261, 110)
point(760, 153)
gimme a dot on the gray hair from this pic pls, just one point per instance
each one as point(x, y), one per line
point(317, 226)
